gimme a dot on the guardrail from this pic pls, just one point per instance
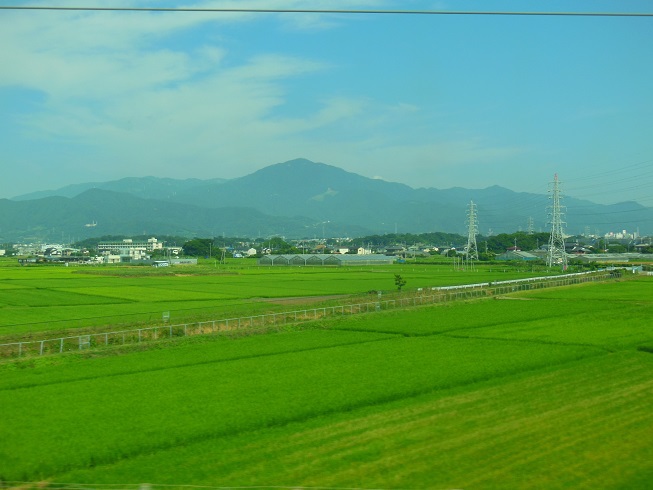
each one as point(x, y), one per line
point(422, 296)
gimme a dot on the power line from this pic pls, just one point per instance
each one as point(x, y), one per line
point(619, 169)
point(630, 179)
point(330, 11)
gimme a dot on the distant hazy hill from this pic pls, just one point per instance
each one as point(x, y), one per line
point(143, 187)
point(112, 213)
point(325, 193)
point(298, 198)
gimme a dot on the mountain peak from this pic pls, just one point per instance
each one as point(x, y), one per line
point(293, 198)
point(299, 164)
point(299, 161)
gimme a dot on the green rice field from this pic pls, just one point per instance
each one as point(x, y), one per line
point(36, 300)
point(549, 388)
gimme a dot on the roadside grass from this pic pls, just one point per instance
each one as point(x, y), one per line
point(635, 289)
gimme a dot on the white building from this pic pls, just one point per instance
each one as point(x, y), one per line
point(129, 249)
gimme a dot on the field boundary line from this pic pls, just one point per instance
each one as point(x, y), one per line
point(267, 321)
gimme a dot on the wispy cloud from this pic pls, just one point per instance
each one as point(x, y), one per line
point(128, 90)
point(119, 83)
point(111, 94)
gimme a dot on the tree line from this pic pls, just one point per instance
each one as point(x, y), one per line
point(488, 246)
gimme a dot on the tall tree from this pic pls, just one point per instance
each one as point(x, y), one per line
point(199, 247)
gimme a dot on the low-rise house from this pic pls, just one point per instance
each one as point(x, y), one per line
point(395, 250)
point(578, 250)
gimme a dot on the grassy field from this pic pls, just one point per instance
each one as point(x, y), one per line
point(42, 301)
point(545, 389)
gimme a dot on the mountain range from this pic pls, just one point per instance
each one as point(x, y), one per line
point(295, 199)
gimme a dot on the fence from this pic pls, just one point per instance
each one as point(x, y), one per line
point(422, 296)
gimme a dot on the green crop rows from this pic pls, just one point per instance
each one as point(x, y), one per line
point(540, 389)
point(54, 300)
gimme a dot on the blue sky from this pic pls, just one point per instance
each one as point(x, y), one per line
point(426, 100)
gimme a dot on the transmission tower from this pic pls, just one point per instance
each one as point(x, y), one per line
point(472, 223)
point(530, 225)
point(556, 255)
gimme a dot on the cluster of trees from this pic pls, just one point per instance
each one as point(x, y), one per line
point(500, 243)
point(211, 247)
point(201, 247)
point(408, 239)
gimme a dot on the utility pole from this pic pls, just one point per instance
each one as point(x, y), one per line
point(472, 231)
point(556, 254)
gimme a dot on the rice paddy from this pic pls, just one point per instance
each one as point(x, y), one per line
point(537, 389)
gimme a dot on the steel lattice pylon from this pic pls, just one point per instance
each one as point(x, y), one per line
point(556, 255)
point(472, 223)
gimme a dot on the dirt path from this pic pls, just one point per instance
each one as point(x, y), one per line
point(298, 300)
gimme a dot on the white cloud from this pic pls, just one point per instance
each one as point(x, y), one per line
point(108, 86)
point(133, 100)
